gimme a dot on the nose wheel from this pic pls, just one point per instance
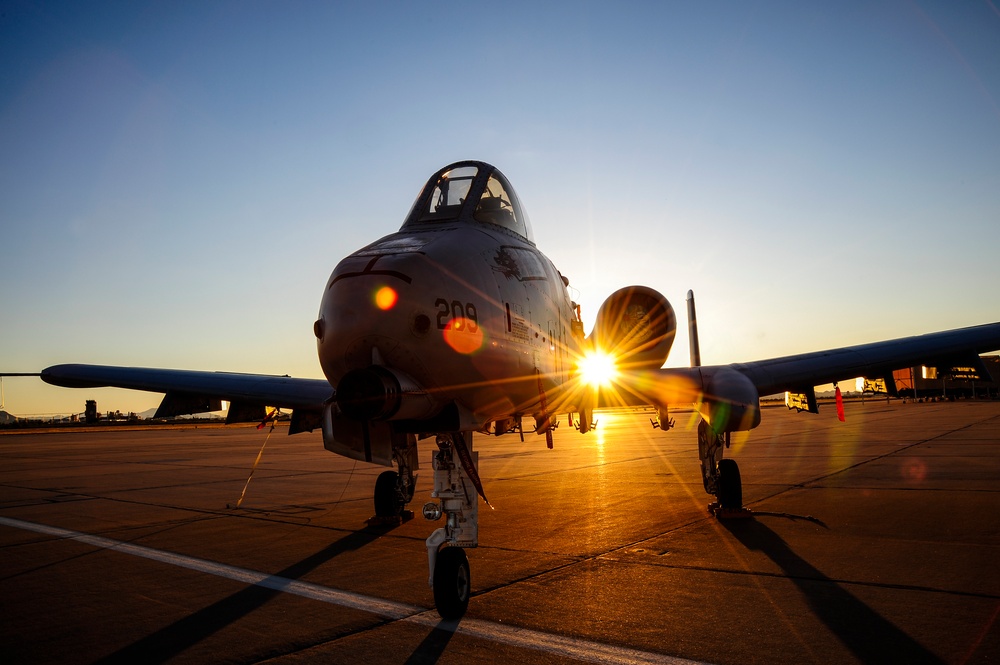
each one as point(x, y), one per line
point(452, 583)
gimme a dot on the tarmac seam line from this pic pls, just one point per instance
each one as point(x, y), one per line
point(806, 578)
point(805, 483)
point(263, 514)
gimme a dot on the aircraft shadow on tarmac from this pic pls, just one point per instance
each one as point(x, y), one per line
point(867, 634)
point(430, 650)
point(181, 635)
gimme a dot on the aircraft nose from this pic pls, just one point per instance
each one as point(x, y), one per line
point(353, 308)
point(371, 314)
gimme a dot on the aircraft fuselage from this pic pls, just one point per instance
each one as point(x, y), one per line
point(447, 307)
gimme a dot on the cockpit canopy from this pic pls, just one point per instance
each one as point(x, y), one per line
point(472, 192)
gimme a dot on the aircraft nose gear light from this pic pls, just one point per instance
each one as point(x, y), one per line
point(432, 511)
point(459, 504)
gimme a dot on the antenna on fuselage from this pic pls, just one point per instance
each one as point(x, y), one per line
point(693, 331)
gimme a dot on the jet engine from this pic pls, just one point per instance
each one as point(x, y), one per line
point(636, 327)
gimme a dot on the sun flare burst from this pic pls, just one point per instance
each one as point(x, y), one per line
point(598, 369)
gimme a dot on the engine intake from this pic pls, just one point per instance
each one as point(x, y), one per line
point(636, 326)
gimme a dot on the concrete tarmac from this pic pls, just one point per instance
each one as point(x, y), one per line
point(875, 541)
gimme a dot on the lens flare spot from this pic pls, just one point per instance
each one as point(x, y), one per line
point(386, 297)
point(598, 369)
point(915, 471)
point(463, 335)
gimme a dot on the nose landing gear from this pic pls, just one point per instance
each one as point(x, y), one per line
point(450, 576)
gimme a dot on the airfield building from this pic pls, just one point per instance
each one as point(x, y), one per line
point(949, 382)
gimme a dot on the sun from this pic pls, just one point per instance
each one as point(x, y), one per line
point(598, 369)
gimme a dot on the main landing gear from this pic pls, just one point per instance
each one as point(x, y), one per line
point(394, 489)
point(721, 477)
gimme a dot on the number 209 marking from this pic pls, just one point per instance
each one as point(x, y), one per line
point(465, 317)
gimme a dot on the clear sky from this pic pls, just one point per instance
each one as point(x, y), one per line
point(178, 179)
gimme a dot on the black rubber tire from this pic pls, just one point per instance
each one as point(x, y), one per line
point(388, 502)
point(730, 494)
point(452, 583)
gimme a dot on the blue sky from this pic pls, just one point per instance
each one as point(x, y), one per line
point(177, 180)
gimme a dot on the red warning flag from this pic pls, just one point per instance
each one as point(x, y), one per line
point(840, 404)
point(268, 418)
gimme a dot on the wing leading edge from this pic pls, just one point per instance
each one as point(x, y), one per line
point(873, 360)
point(188, 391)
point(728, 395)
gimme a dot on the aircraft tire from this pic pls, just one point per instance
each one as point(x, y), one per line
point(730, 493)
point(452, 583)
point(388, 502)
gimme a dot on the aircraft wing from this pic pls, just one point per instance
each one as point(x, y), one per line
point(728, 394)
point(951, 347)
point(196, 392)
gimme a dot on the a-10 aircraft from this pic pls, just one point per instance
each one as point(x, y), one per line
point(457, 324)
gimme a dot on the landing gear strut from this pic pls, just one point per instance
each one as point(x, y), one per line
point(721, 477)
point(459, 505)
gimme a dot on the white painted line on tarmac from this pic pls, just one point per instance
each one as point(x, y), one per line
point(383, 608)
point(557, 645)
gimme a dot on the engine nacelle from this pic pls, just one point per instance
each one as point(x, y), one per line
point(636, 327)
